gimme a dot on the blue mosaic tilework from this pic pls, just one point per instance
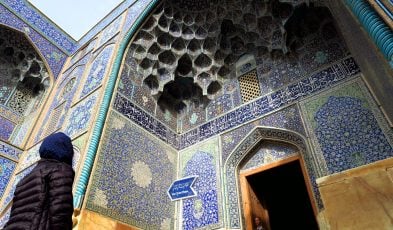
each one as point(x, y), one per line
point(97, 71)
point(202, 210)
point(133, 5)
point(317, 53)
point(166, 118)
point(67, 98)
point(219, 106)
point(125, 86)
point(11, 115)
point(80, 115)
point(145, 120)
point(133, 12)
point(9, 151)
point(310, 85)
point(282, 72)
point(190, 120)
point(22, 130)
point(29, 158)
point(23, 9)
point(5, 217)
point(287, 118)
point(345, 129)
point(110, 31)
point(54, 56)
point(6, 128)
point(7, 167)
point(268, 152)
point(231, 166)
point(231, 139)
point(143, 99)
point(131, 178)
point(10, 195)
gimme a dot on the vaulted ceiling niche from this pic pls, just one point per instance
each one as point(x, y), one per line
point(23, 75)
point(187, 50)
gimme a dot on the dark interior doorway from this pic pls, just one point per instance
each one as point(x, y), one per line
point(283, 192)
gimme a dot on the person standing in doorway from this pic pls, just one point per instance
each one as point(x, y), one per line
point(258, 223)
point(43, 199)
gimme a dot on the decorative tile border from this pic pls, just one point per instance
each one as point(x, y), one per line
point(53, 55)
point(316, 82)
point(10, 151)
point(144, 119)
point(11, 115)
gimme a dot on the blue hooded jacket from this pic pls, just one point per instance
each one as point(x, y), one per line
point(57, 146)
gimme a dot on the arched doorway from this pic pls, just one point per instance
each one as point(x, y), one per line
point(235, 213)
point(275, 187)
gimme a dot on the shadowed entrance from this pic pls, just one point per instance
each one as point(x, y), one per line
point(283, 193)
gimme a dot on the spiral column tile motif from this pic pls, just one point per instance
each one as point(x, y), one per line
point(380, 33)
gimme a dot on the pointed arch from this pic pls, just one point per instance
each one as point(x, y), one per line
point(231, 165)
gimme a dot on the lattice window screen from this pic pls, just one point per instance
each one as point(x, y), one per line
point(20, 100)
point(54, 118)
point(249, 86)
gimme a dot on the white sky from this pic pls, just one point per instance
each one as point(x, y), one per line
point(76, 17)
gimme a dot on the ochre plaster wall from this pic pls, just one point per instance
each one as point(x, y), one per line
point(360, 198)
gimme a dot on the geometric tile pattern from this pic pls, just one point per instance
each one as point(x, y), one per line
point(344, 127)
point(267, 153)
point(6, 128)
point(53, 55)
point(131, 178)
point(97, 71)
point(232, 165)
point(203, 210)
point(7, 167)
point(10, 151)
point(80, 115)
point(20, 100)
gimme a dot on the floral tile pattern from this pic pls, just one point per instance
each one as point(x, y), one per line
point(347, 127)
point(97, 71)
point(6, 127)
point(267, 153)
point(131, 177)
point(204, 210)
point(80, 115)
point(7, 167)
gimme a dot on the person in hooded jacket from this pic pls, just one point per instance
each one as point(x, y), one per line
point(43, 199)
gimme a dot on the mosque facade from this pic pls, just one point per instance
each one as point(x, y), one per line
point(277, 109)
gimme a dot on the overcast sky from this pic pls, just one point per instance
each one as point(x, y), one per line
point(76, 17)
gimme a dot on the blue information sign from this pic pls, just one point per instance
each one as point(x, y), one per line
point(181, 189)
